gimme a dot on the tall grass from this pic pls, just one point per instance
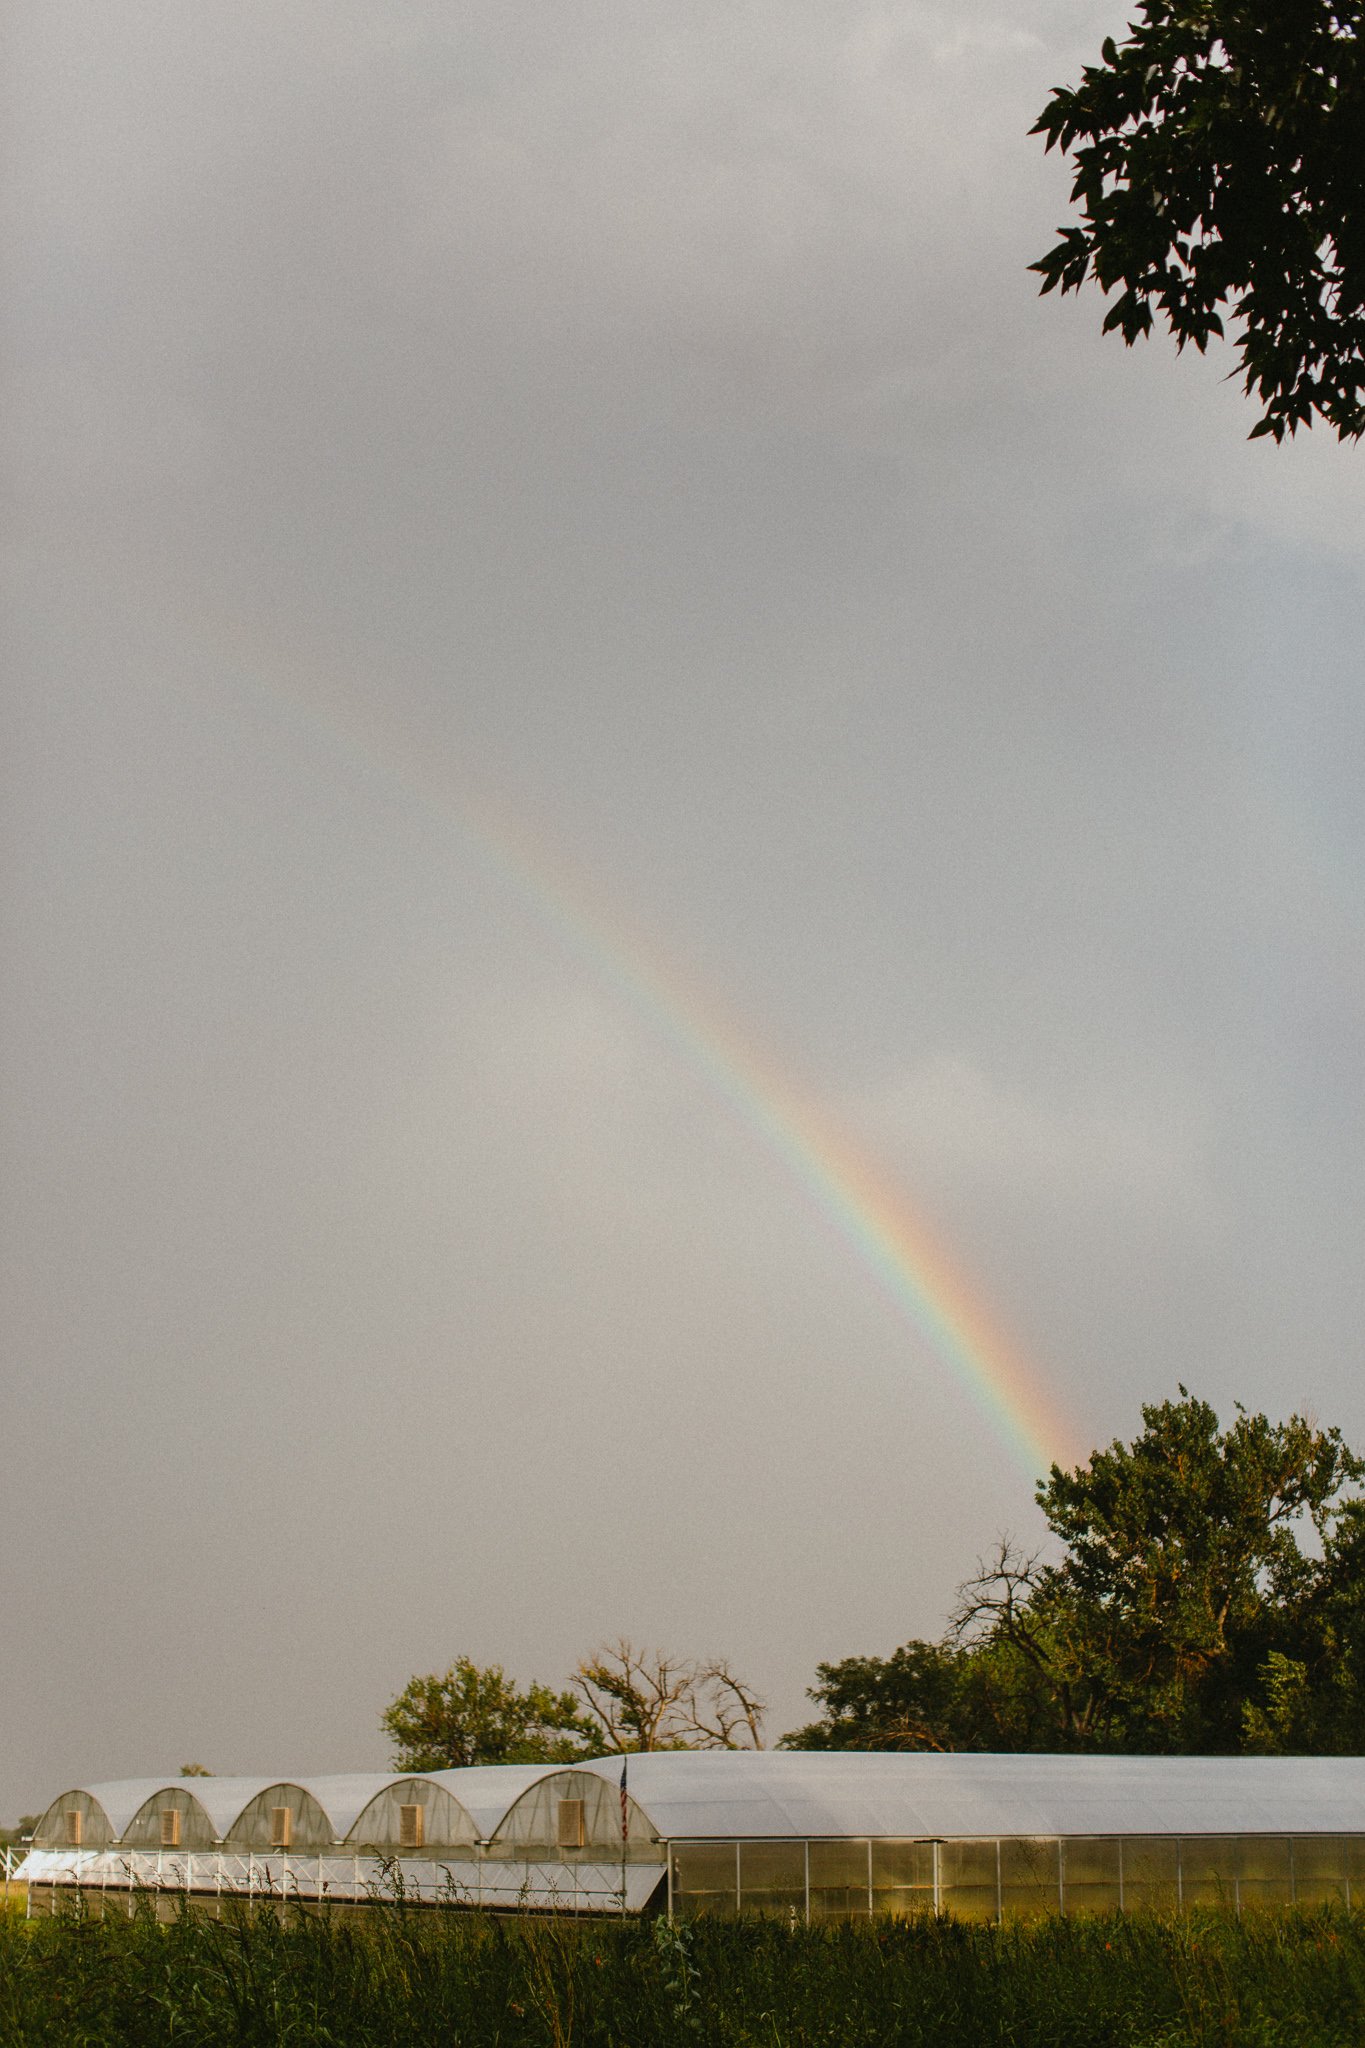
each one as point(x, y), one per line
point(399, 1977)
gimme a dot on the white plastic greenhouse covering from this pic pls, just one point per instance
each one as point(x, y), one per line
point(801, 1834)
point(730, 1795)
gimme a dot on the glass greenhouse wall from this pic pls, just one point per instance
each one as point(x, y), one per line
point(573, 1815)
point(171, 1819)
point(798, 1836)
point(284, 1816)
point(77, 1820)
point(1013, 1877)
point(413, 1817)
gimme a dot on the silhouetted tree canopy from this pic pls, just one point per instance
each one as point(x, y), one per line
point(1209, 1597)
point(1218, 153)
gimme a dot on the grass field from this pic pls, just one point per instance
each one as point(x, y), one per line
point(396, 1978)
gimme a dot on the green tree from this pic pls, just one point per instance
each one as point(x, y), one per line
point(474, 1714)
point(1208, 1595)
point(1217, 155)
point(1310, 1692)
point(940, 1696)
point(913, 1699)
point(1183, 1570)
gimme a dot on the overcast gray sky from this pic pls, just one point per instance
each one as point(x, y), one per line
point(640, 421)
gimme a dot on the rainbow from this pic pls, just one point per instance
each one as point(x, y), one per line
point(849, 1188)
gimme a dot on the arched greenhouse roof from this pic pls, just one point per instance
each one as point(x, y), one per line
point(730, 1795)
point(448, 1819)
point(144, 1829)
point(734, 1795)
point(225, 1800)
point(342, 1799)
point(52, 1821)
point(222, 1799)
point(531, 1820)
point(487, 1791)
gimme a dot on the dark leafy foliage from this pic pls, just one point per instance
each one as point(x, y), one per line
point(928, 1696)
point(1185, 1569)
point(1209, 1596)
point(1218, 154)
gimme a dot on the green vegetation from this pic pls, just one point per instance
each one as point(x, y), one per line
point(1209, 1597)
point(1204, 1594)
point(1217, 160)
point(397, 1978)
point(478, 1715)
point(621, 1699)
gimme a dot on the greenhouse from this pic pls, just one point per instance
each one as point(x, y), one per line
point(799, 1835)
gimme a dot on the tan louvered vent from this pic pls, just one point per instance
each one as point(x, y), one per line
point(75, 1826)
point(410, 1819)
point(281, 1826)
point(170, 1827)
point(571, 1830)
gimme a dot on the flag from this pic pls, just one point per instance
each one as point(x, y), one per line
point(625, 1805)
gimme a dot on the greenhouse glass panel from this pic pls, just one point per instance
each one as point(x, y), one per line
point(1264, 1872)
point(1353, 1847)
point(440, 1827)
point(838, 1880)
point(705, 1878)
point(772, 1878)
point(969, 1880)
point(902, 1877)
point(1030, 1872)
point(1321, 1868)
point(75, 1821)
point(1090, 1874)
point(258, 1827)
point(705, 1905)
point(531, 1826)
point(1150, 1866)
point(898, 1864)
point(148, 1828)
point(1208, 1871)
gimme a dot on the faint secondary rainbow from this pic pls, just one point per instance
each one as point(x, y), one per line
point(850, 1189)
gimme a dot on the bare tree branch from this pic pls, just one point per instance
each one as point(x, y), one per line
point(722, 1711)
point(995, 1602)
point(645, 1700)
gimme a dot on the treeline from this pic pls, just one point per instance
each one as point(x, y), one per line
point(619, 1699)
point(1203, 1592)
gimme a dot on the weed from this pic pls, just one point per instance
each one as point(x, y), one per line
point(402, 1976)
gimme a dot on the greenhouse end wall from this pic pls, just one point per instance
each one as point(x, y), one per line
point(1013, 1877)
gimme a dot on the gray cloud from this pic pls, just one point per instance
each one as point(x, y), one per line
point(650, 427)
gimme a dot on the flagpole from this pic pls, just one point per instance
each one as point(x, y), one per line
point(625, 1827)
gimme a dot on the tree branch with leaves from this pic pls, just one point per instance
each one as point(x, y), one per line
point(1217, 153)
point(476, 1714)
point(1208, 1594)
